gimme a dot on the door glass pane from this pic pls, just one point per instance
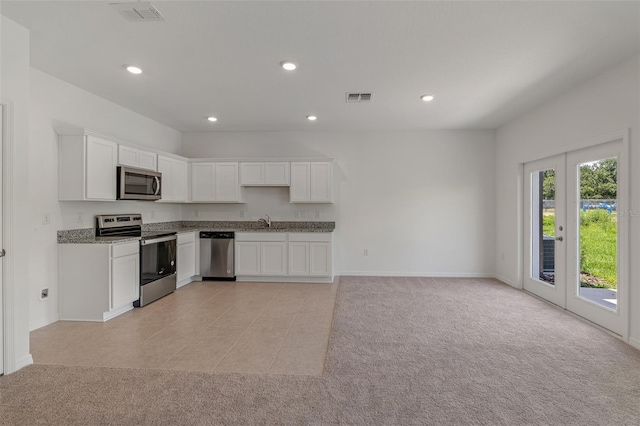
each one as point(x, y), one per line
point(598, 242)
point(543, 218)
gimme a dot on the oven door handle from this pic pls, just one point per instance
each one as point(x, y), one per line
point(158, 240)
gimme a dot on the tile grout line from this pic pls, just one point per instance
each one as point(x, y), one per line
point(288, 331)
point(177, 319)
point(244, 332)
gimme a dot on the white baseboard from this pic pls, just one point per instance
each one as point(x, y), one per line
point(22, 362)
point(186, 281)
point(634, 342)
point(416, 274)
point(321, 280)
point(507, 281)
point(49, 320)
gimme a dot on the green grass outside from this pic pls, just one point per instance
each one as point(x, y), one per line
point(598, 234)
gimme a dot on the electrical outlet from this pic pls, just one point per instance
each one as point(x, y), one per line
point(366, 252)
point(44, 293)
point(302, 214)
point(243, 213)
point(152, 215)
point(317, 214)
point(46, 218)
point(196, 213)
point(79, 218)
point(296, 214)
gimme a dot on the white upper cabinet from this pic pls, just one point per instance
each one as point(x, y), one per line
point(226, 182)
point(174, 179)
point(86, 168)
point(264, 174)
point(134, 157)
point(311, 182)
point(215, 182)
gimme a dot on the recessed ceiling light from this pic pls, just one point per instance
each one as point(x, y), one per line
point(288, 65)
point(427, 98)
point(212, 119)
point(312, 117)
point(133, 69)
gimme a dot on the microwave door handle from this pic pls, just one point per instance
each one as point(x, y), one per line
point(157, 191)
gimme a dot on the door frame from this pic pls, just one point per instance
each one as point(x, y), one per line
point(7, 283)
point(623, 135)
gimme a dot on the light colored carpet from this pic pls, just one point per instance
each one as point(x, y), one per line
point(402, 351)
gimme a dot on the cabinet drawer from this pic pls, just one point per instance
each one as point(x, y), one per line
point(261, 236)
point(118, 250)
point(310, 236)
point(186, 237)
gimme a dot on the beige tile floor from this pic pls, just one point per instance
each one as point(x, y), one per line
point(275, 328)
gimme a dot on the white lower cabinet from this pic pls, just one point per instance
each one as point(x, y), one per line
point(261, 253)
point(294, 254)
point(247, 257)
point(186, 257)
point(310, 254)
point(98, 281)
point(125, 286)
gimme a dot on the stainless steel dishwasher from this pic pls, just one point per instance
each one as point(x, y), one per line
point(217, 256)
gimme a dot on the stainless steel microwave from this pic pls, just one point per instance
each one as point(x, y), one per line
point(139, 184)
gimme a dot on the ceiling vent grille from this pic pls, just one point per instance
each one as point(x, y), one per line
point(358, 97)
point(138, 12)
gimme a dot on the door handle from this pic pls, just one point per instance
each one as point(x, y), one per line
point(2, 253)
point(559, 238)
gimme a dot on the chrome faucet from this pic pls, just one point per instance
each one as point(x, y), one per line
point(266, 222)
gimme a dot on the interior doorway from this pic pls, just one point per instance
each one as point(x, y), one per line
point(575, 232)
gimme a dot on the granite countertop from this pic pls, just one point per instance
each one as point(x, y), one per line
point(86, 235)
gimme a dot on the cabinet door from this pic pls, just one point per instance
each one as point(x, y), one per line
point(298, 259)
point(251, 173)
point(101, 169)
point(321, 182)
point(273, 258)
point(125, 280)
point(276, 174)
point(127, 156)
point(320, 259)
point(226, 182)
point(247, 258)
point(180, 188)
point(147, 160)
point(186, 260)
point(300, 182)
point(165, 166)
point(202, 181)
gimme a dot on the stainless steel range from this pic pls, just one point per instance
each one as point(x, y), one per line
point(157, 254)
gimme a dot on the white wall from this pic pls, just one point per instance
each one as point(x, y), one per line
point(421, 203)
point(53, 100)
point(14, 90)
point(605, 104)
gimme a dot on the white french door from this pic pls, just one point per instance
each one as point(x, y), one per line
point(597, 286)
point(545, 229)
point(575, 233)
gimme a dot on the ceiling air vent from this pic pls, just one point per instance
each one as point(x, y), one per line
point(358, 97)
point(138, 12)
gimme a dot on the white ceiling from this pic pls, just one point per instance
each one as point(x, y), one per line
point(486, 62)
